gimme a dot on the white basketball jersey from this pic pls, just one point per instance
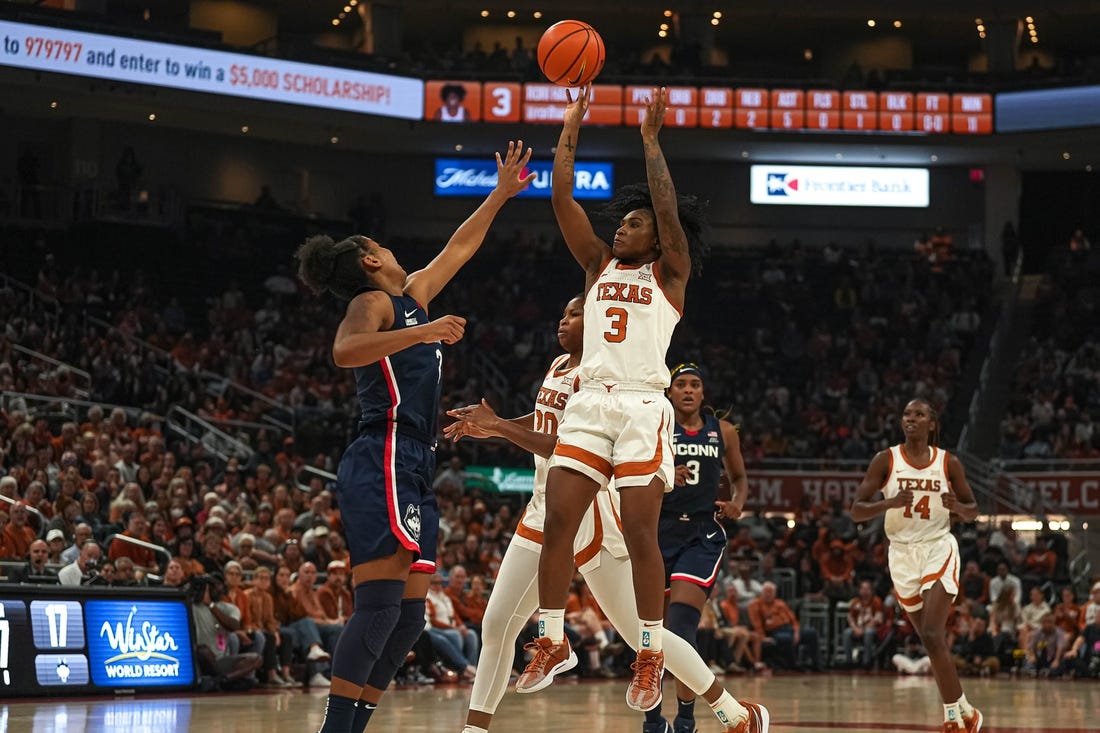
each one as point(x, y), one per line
point(926, 518)
point(628, 324)
point(557, 387)
point(601, 526)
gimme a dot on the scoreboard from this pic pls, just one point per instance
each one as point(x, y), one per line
point(746, 108)
point(63, 640)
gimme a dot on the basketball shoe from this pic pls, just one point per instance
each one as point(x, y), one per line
point(973, 722)
point(550, 659)
point(662, 727)
point(644, 692)
point(683, 725)
point(758, 721)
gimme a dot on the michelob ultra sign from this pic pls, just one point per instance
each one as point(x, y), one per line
point(475, 177)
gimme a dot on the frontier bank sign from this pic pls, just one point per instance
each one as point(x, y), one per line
point(793, 185)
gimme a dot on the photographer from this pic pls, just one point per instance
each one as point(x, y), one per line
point(85, 568)
point(215, 621)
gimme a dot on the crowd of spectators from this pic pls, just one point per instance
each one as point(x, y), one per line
point(1055, 403)
point(815, 366)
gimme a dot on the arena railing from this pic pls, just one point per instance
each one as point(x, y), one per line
point(215, 384)
point(198, 431)
point(31, 509)
point(139, 543)
point(65, 405)
point(76, 372)
point(36, 301)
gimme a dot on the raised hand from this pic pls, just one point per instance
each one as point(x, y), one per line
point(655, 112)
point(577, 108)
point(510, 169)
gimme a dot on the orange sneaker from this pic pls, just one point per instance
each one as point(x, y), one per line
point(953, 727)
point(759, 720)
point(644, 692)
point(973, 722)
point(550, 659)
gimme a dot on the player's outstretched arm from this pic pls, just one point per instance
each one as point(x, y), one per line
point(675, 261)
point(363, 336)
point(482, 419)
point(425, 284)
point(590, 251)
point(864, 506)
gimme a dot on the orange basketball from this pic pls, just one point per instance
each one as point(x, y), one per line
point(571, 53)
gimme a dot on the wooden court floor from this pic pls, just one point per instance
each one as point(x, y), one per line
point(798, 704)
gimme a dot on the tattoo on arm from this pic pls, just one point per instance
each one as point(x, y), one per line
point(569, 144)
point(661, 189)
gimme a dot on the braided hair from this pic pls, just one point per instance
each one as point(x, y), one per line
point(691, 209)
point(325, 265)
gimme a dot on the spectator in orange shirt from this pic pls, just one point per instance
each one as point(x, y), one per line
point(334, 596)
point(249, 637)
point(137, 527)
point(1039, 564)
point(1067, 614)
point(15, 543)
point(864, 620)
point(746, 643)
point(974, 584)
point(836, 571)
point(772, 618)
point(456, 591)
point(303, 591)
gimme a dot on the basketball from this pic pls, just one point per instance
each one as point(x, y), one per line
point(571, 53)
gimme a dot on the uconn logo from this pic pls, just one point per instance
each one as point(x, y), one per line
point(460, 177)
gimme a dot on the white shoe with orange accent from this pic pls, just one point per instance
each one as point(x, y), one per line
point(758, 720)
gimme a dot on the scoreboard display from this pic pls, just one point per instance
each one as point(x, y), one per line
point(746, 108)
point(63, 640)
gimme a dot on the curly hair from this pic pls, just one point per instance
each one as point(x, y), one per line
point(325, 265)
point(691, 209)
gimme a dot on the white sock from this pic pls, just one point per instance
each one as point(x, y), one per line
point(952, 714)
point(594, 658)
point(552, 624)
point(965, 706)
point(728, 710)
point(474, 729)
point(650, 634)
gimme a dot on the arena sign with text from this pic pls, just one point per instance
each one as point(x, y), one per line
point(1068, 493)
point(469, 177)
point(793, 185)
point(44, 48)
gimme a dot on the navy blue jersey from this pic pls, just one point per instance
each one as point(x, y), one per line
point(403, 387)
point(702, 452)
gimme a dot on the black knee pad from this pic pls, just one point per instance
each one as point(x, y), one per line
point(409, 627)
point(683, 620)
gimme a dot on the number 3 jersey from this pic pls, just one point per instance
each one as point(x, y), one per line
point(628, 324)
point(926, 519)
point(702, 451)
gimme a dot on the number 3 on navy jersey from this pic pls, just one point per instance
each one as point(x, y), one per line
point(693, 477)
point(617, 334)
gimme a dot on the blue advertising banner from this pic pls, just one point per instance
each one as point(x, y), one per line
point(468, 177)
point(138, 643)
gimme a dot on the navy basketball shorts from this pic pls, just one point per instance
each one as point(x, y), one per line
point(691, 546)
point(384, 486)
